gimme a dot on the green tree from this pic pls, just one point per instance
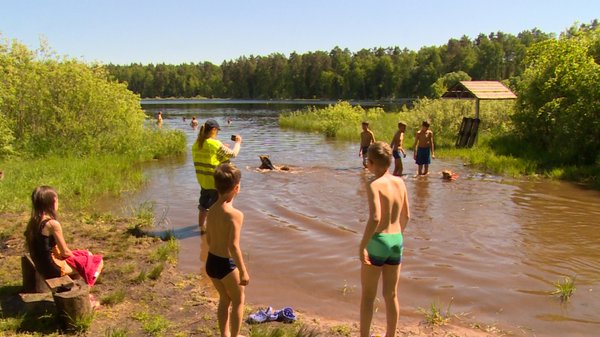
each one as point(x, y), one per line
point(426, 71)
point(63, 105)
point(559, 98)
point(448, 81)
point(459, 55)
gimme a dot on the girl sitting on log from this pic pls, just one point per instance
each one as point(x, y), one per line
point(47, 246)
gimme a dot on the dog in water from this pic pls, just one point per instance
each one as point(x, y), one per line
point(449, 175)
point(265, 164)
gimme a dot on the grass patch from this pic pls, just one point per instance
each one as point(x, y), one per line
point(289, 331)
point(141, 277)
point(81, 324)
point(10, 323)
point(78, 181)
point(113, 298)
point(340, 330)
point(155, 272)
point(152, 324)
point(116, 332)
point(434, 315)
point(166, 252)
point(564, 289)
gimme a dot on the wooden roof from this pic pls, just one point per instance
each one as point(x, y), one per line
point(479, 89)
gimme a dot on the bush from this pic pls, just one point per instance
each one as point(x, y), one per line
point(558, 99)
point(64, 123)
point(67, 107)
point(343, 120)
point(7, 137)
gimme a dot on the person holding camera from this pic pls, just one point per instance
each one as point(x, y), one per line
point(208, 153)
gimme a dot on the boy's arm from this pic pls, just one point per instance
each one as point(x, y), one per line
point(372, 137)
point(234, 247)
point(416, 144)
point(401, 144)
point(432, 147)
point(207, 233)
point(372, 222)
point(405, 212)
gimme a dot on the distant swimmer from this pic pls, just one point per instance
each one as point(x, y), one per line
point(159, 119)
point(194, 122)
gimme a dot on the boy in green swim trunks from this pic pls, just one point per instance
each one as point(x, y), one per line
point(380, 250)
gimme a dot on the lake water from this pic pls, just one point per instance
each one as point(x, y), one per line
point(492, 246)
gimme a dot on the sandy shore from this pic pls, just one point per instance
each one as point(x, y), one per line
point(171, 304)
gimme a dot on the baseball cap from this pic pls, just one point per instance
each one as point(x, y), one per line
point(211, 123)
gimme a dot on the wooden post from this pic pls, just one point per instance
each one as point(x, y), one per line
point(461, 132)
point(473, 133)
point(467, 132)
point(73, 305)
point(33, 281)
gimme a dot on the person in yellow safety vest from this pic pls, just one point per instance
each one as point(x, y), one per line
point(208, 153)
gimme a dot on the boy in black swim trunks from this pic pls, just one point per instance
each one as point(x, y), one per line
point(366, 138)
point(397, 149)
point(380, 249)
point(225, 264)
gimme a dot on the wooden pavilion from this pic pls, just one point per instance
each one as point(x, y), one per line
point(477, 90)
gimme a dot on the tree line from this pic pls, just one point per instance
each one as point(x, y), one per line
point(369, 74)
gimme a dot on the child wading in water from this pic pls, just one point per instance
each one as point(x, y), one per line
point(225, 264)
point(397, 148)
point(424, 148)
point(366, 138)
point(380, 250)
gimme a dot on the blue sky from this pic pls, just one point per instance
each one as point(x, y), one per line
point(151, 31)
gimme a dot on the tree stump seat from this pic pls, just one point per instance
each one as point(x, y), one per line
point(71, 298)
point(34, 282)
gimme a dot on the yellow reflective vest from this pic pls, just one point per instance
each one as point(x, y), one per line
point(206, 159)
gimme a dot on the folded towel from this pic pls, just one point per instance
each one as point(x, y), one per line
point(86, 264)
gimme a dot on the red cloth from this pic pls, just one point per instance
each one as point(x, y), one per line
point(86, 264)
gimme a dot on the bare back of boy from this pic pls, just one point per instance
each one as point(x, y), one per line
point(390, 196)
point(221, 221)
